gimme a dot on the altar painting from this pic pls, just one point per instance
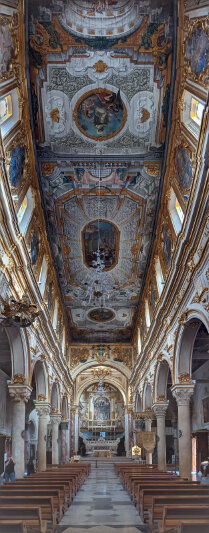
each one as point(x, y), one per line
point(100, 243)
point(100, 114)
point(198, 49)
point(101, 409)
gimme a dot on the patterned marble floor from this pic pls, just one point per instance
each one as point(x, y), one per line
point(102, 506)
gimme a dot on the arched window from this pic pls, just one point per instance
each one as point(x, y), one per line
point(176, 212)
point(147, 315)
point(5, 108)
point(25, 211)
point(55, 315)
point(42, 276)
point(9, 112)
point(139, 341)
point(193, 109)
point(159, 276)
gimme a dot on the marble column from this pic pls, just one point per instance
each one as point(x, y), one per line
point(148, 427)
point(182, 393)
point(20, 394)
point(126, 433)
point(160, 412)
point(55, 420)
point(43, 410)
point(64, 435)
point(76, 429)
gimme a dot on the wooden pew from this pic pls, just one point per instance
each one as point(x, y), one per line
point(48, 478)
point(15, 526)
point(30, 515)
point(173, 513)
point(193, 526)
point(44, 502)
point(169, 484)
point(14, 490)
point(155, 512)
point(63, 487)
point(146, 496)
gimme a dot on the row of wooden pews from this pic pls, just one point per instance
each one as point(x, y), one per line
point(164, 500)
point(36, 503)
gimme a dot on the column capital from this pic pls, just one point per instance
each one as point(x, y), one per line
point(148, 414)
point(42, 408)
point(19, 393)
point(160, 408)
point(183, 393)
point(55, 418)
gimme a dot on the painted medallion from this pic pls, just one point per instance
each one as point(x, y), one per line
point(100, 244)
point(101, 315)
point(100, 114)
point(184, 167)
point(198, 49)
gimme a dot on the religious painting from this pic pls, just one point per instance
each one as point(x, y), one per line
point(184, 168)
point(167, 246)
point(101, 315)
point(16, 166)
point(100, 245)
point(34, 247)
point(100, 114)
point(198, 50)
point(101, 409)
point(205, 404)
point(6, 46)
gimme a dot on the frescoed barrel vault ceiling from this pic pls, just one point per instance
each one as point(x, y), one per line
point(100, 83)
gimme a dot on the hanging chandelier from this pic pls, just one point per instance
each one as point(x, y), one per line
point(18, 313)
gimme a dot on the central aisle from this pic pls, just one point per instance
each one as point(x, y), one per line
point(101, 506)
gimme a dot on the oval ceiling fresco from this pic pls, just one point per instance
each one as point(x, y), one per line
point(100, 243)
point(101, 315)
point(100, 114)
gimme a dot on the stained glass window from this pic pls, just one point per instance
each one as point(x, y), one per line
point(5, 108)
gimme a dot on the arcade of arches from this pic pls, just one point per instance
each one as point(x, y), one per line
point(104, 273)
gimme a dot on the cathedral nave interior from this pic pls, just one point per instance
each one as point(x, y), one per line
point(104, 273)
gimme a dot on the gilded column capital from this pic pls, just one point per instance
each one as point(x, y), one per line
point(160, 409)
point(42, 408)
point(19, 393)
point(183, 393)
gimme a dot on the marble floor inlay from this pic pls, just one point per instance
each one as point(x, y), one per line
point(102, 506)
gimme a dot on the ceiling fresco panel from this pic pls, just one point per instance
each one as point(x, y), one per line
point(100, 78)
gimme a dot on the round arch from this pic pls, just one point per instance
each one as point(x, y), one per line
point(112, 364)
point(185, 343)
point(147, 396)
point(19, 351)
point(138, 403)
point(92, 381)
point(55, 397)
point(40, 374)
point(161, 380)
point(64, 409)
